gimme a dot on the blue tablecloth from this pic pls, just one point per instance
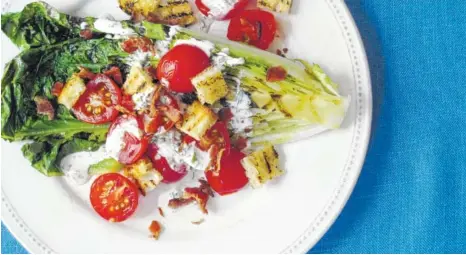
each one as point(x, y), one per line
point(411, 196)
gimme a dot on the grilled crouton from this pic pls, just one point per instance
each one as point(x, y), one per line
point(197, 119)
point(262, 166)
point(144, 174)
point(283, 6)
point(71, 92)
point(210, 85)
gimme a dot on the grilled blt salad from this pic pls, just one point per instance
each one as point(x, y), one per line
point(159, 101)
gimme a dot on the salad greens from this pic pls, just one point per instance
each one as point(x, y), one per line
point(53, 51)
point(108, 165)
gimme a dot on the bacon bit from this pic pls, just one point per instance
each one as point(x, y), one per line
point(155, 229)
point(115, 73)
point(153, 111)
point(200, 194)
point(276, 73)
point(241, 143)
point(44, 107)
point(57, 88)
point(86, 34)
point(285, 50)
point(176, 203)
point(84, 73)
point(152, 71)
point(199, 222)
point(161, 212)
point(171, 113)
point(225, 114)
point(280, 53)
point(215, 153)
point(133, 44)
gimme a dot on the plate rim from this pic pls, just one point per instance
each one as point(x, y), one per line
point(361, 137)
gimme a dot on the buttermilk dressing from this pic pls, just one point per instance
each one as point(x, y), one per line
point(112, 27)
point(179, 154)
point(205, 46)
point(219, 8)
point(242, 113)
point(223, 59)
point(115, 141)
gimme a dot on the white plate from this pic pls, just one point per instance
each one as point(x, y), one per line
point(288, 216)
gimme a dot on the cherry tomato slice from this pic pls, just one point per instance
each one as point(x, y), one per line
point(57, 88)
point(160, 163)
point(97, 104)
point(231, 177)
point(218, 135)
point(179, 65)
point(114, 197)
point(255, 27)
point(115, 73)
point(237, 8)
point(133, 147)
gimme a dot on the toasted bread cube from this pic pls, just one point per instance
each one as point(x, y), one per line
point(282, 6)
point(197, 119)
point(71, 92)
point(262, 166)
point(138, 81)
point(144, 174)
point(210, 85)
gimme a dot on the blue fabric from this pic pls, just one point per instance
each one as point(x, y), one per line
point(411, 196)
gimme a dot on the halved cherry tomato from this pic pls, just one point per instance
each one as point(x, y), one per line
point(179, 65)
point(160, 163)
point(128, 103)
point(254, 27)
point(133, 44)
point(114, 197)
point(237, 8)
point(97, 104)
point(231, 177)
point(218, 135)
point(134, 147)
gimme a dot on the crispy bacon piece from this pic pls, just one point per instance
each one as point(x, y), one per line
point(86, 34)
point(44, 107)
point(127, 104)
point(133, 44)
point(276, 73)
point(176, 203)
point(85, 73)
point(115, 73)
point(198, 194)
point(199, 222)
point(152, 71)
point(241, 143)
point(215, 153)
point(161, 212)
point(57, 88)
point(155, 228)
point(171, 113)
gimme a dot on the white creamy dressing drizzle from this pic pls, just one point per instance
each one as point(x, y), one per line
point(178, 154)
point(115, 140)
point(241, 109)
point(83, 25)
point(219, 8)
point(223, 59)
point(163, 46)
point(75, 166)
point(139, 58)
point(142, 100)
point(112, 27)
point(205, 46)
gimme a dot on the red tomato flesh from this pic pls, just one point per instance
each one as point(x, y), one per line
point(160, 163)
point(114, 197)
point(179, 65)
point(254, 27)
point(218, 135)
point(97, 104)
point(231, 177)
point(237, 8)
point(134, 147)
